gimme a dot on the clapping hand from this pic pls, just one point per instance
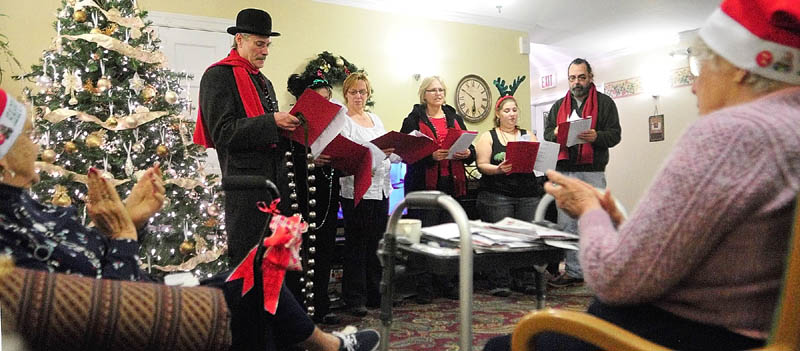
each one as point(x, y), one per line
point(572, 195)
point(106, 210)
point(146, 197)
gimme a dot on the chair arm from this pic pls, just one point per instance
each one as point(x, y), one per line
point(580, 325)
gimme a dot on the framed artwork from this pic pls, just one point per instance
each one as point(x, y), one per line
point(681, 77)
point(656, 128)
point(623, 88)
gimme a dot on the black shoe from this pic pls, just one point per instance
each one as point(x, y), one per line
point(358, 311)
point(362, 340)
point(328, 319)
point(564, 281)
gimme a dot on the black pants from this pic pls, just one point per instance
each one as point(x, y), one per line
point(252, 328)
point(648, 322)
point(363, 228)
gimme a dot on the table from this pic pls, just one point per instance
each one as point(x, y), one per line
point(536, 257)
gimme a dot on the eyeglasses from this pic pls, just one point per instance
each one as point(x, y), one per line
point(435, 90)
point(581, 78)
point(357, 92)
point(695, 55)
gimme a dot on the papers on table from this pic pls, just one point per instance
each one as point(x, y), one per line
point(457, 141)
point(568, 131)
point(504, 235)
point(527, 156)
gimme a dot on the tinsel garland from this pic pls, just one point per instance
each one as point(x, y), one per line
point(114, 44)
point(112, 15)
point(61, 114)
point(185, 183)
point(202, 255)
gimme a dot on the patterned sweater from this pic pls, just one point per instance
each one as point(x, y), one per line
point(46, 237)
point(708, 240)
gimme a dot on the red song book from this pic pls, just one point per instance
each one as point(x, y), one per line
point(351, 158)
point(522, 155)
point(409, 147)
point(318, 113)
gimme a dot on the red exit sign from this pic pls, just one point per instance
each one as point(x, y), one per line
point(547, 81)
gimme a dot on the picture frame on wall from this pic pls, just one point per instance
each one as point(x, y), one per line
point(656, 128)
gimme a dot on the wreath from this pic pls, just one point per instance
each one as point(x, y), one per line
point(332, 68)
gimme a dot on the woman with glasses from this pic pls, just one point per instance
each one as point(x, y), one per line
point(434, 118)
point(363, 224)
point(698, 265)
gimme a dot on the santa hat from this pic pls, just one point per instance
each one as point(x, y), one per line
point(761, 36)
point(12, 120)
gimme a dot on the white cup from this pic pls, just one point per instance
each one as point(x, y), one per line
point(409, 228)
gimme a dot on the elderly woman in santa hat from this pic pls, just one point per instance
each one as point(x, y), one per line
point(672, 272)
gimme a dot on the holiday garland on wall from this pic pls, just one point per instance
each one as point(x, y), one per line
point(334, 69)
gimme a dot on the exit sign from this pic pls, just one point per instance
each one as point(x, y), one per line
point(547, 81)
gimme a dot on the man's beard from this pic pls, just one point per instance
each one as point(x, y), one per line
point(580, 90)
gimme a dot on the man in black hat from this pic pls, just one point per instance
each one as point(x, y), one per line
point(239, 117)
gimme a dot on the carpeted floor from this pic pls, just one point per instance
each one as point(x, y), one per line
point(435, 326)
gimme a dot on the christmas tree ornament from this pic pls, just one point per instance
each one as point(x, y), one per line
point(73, 101)
point(49, 155)
point(112, 122)
point(211, 222)
point(95, 56)
point(44, 82)
point(103, 84)
point(70, 147)
point(96, 30)
point(138, 148)
point(80, 16)
point(162, 151)
point(213, 210)
point(94, 140)
point(171, 97)
point(128, 161)
point(136, 33)
point(187, 247)
point(148, 92)
point(110, 29)
point(60, 196)
point(136, 83)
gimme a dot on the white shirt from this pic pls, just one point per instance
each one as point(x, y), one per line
point(381, 185)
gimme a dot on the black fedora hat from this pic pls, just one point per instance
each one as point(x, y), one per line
point(253, 21)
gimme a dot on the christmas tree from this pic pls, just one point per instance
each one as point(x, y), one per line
point(105, 99)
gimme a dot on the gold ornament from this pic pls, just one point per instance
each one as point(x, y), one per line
point(148, 92)
point(138, 148)
point(48, 155)
point(70, 147)
point(79, 16)
point(60, 196)
point(96, 30)
point(213, 210)
point(162, 151)
point(187, 247)
point(171, 97)
point(110, 29)
point(112, 122)
point(103, 84)
point(73, 101)
point(94, 140)
point(130, 121)
point(211, 222)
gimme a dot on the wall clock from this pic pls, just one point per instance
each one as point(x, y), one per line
point(473, 98)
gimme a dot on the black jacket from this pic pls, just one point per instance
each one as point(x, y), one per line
point(608, 130)
point(415, 173)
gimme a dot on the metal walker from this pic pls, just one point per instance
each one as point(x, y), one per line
point(387, 252)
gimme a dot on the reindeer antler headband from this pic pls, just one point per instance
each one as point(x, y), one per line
point(505, 90)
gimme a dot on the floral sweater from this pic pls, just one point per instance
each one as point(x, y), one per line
point(46, 237)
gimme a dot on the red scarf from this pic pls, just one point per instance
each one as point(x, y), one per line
point(457, 169)
point(585, 151)
point(242, 69)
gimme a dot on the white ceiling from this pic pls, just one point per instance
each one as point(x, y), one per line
point(582, 27)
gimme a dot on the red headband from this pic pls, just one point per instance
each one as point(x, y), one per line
point(500, 100)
